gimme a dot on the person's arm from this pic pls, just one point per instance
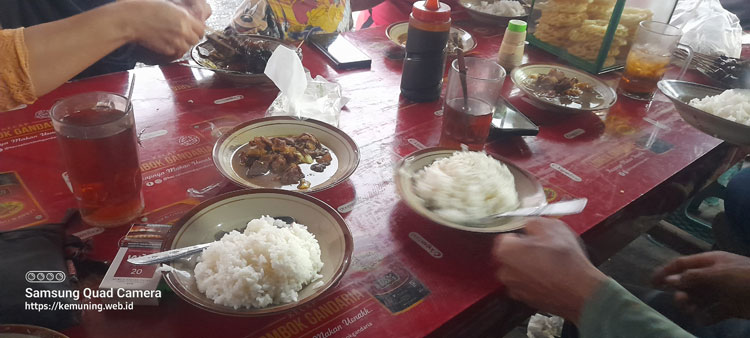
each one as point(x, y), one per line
point(613, 312)
point(59, 50)
point(547, 269)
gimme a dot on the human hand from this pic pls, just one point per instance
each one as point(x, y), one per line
point(200, 9)
point(164, 27)
point(546, 268)
point(711, 286)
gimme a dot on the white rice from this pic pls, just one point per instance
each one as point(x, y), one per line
point(466, 186)
point(266, 264)
point(502, 8)
point(733, 105)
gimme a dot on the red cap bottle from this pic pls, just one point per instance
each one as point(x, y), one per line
point(424, 64)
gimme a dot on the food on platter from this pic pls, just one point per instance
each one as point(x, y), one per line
point(268, 263)
point(732, 104)
point(466, 186)
point(247, 56)
point(731, 72)
point(555, 86)
point(580, 27)
point(282, 157)
point(501, 8)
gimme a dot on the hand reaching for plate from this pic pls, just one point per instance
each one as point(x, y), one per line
point(546, 268)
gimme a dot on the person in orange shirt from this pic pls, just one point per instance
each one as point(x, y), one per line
point(37, 59)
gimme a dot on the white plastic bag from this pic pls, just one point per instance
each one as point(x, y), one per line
point(708, 28)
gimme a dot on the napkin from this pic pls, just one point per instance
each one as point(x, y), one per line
point(302, 96)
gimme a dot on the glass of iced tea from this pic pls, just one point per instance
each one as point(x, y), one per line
point(97, 137)
point(649, 59)
point(467, 120)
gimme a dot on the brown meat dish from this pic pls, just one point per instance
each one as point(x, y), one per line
point(281, 156)
point(556, 85)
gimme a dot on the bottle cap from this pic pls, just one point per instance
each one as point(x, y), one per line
point(517, 26)
point(431, 11)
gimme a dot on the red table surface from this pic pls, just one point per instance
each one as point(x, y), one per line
point(612, 158)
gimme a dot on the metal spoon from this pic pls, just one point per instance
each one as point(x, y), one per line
point(170, 255)
point(553, 209)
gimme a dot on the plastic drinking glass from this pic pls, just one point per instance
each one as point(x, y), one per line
point(649, 59)
point(467, 120)
point(98, 144)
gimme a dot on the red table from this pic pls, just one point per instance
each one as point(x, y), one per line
point(634, 162)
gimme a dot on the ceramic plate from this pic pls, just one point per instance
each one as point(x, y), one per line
point(343, 150)
point(530, 191)
point(397, 33)
point(472, 6)
point(520, 77)
point(681, 92)
point(201, 50)
point(232, 211)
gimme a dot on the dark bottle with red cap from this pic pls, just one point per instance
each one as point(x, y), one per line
point(424, 64)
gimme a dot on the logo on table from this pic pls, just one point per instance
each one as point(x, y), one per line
point(42, 114)
point(36, 276)
point(189, 140)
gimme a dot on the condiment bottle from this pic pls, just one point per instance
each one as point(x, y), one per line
point(510, 54)
point(424, 63)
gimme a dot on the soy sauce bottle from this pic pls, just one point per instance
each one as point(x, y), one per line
point(424, 64)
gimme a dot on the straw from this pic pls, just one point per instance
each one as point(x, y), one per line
point(130, 94)
point(462, 76)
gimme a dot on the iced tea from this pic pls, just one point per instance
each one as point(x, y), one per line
point(642, 71)
point(466, 126)
point(98, 146)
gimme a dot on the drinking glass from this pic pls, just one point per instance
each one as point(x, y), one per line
point(649, 59)
point(467, 120)
point(96, 133)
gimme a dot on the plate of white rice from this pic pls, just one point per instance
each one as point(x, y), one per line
point(260, 265)
point(495, 12)
point(457, 188)
point(724, 114)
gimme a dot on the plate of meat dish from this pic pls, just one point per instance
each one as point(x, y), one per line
point(286, 153)
point(238, 58)
point(563, 89)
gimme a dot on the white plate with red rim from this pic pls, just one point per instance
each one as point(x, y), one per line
point(343, 149)
point(232, 211)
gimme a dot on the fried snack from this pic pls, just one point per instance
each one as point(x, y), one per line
point(562, 7)
point(556, 36)
point(599, 10)
point(560, 19)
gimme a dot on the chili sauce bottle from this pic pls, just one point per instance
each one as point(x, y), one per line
point(424, 64)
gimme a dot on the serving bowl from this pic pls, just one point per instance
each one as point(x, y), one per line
point(397, 33)
point(681, 92)
point(472, 6)
point(199, 53)
point(522, 75)
point(530, 191)
point(232, 211)
point(343, 149)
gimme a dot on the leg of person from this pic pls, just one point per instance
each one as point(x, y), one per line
point(732, 231)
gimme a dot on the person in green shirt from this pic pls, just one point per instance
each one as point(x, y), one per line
point(558, 278)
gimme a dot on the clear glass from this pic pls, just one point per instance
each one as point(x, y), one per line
point(467, 120)
point(98, 144)
point(649, 59)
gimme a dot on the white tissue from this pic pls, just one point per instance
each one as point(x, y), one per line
point(285, 69)
point(302, 96)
